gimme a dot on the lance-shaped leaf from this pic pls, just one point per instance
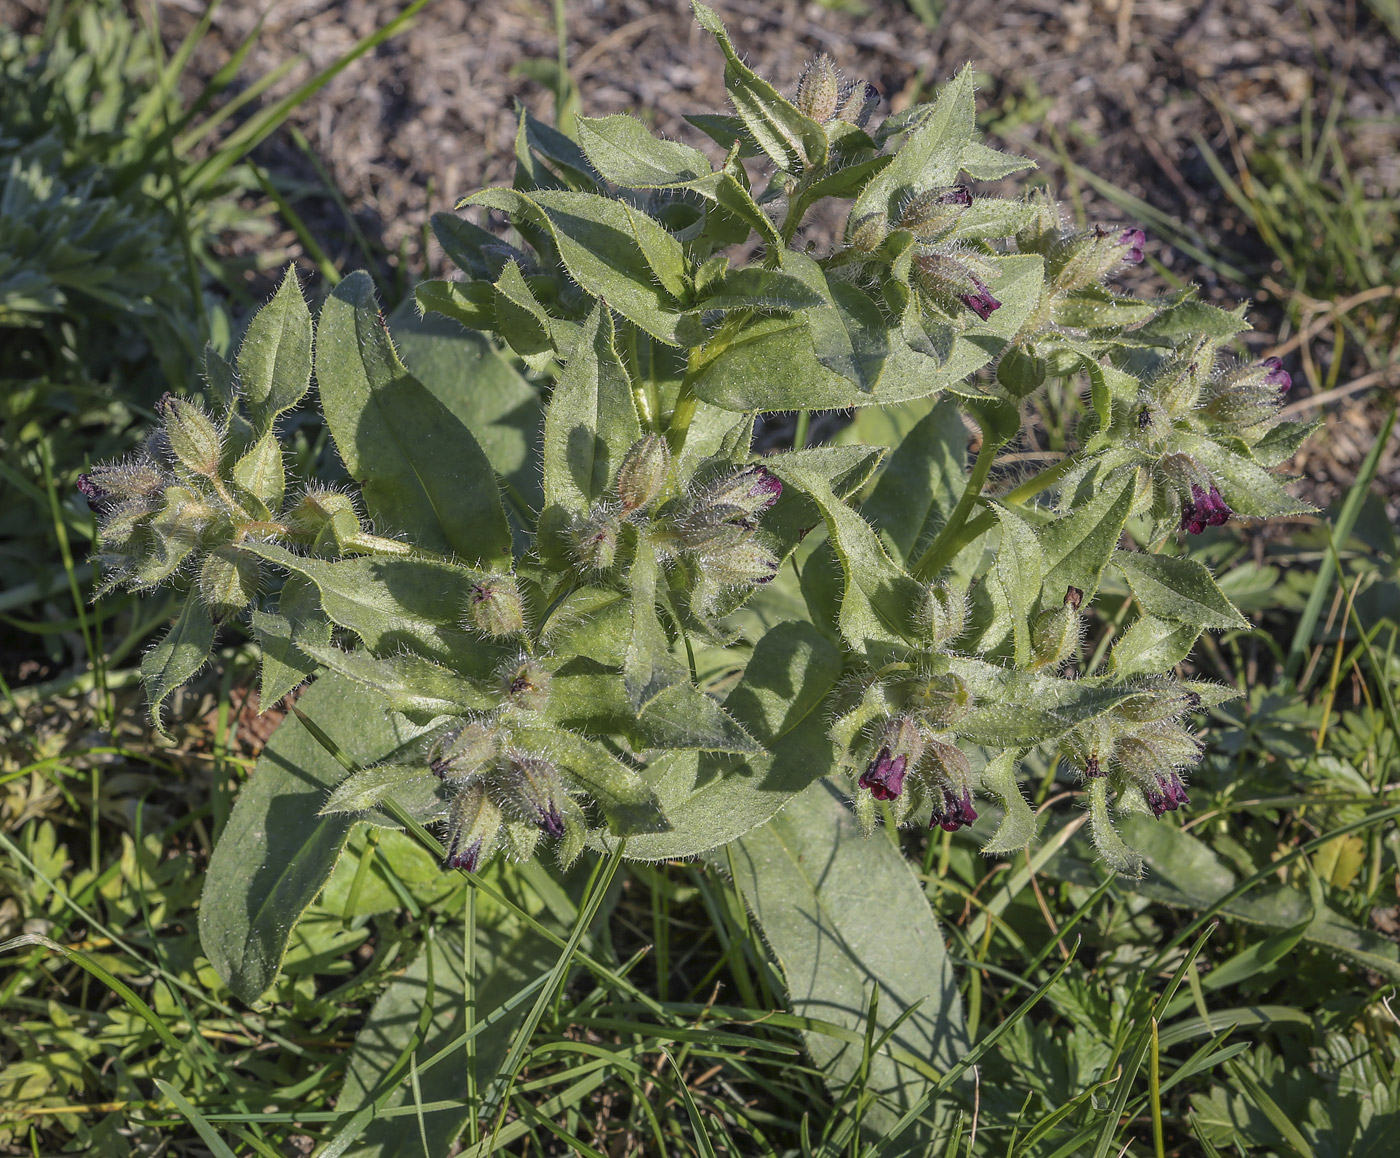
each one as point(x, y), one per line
point(625, 798)
point(395, 603)
point(520, 319)
point(260, 471)
point(298, 619)
point(1079, 545)
point(1115, 852)
point(710, 798)
point(472, 303)
point(1153, 645)
point(181, 652)
point(363, 790)
point(610, 250)
point(1017, 827)
point(843, 913)
point(794, 142)
point(274, 361)
point(831, 358)
point(1178, 589)
point(277, 851)
point(625, 153)
point(589, 426)
point(1016, 709)
point(921, 482)
point(880, 601)
point(417, 687)
point(983, 163)
point(757, 288)
point(1248, 488)
point(930, 156)
point(648, 668)
point(1020, 568)
point(389, 428)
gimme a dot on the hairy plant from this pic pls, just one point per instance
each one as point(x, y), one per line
point(674, 637)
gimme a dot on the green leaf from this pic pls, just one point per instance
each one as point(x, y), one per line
point(472, 303)
point(625, 798)
point(467, 246)
point(648, 668)
point(1079, 545)
point(280, 634)
point(589, 426)
point(362, 790)
point(983, 163)
point(420, 470)
point(1014, 709)
point(274, 361)
point(277, 851)
point(711, 798)
point(625, 153)
point(791, 362)
point(1116, 854)
point(921, 482)
point(395, 603)
point(612, 251)
point(260, 471)
point(793, 142)
point(181, 652)
point(881, 601)
point(207, 1134)
point(756, 288)
point(520, 319)
point(1153, 645)
point(1017, 828)
point(1019, 568)
point(930, 156)
point(409, 683)
point(1178, 589)
point(1250, 490)
point(842, 913)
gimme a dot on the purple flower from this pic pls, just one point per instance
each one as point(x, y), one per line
point(1275, 375)
point(981, 302)
point(884, 776)
point(956, 812)
point(90, 490)
point(1206, 509)
point(465, 858)
point(1132, 240)
point(549, 819)
point(767, 487)
point(956, 195)
point(1168, 796)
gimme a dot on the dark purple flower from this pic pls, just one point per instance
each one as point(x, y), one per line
point(90, 490)
point(884, 776)
point(956, 812)
point(980, 303)
point(1275, 375)
point(956, 195)
point(1168, 796)
point(465, 858)
point(1206, 509)
point(549, 819)
point(1132, 241)
point(766, 487)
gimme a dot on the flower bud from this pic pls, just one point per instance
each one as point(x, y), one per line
point(536, 790)
point(857, 102)
point(1055, 636)
point(228, 582)
point(1042, 232)
point(593, 539)
point(642, 476)
point(868, 232)
point(898, 749)
point(473, 827)
point(494, 606)
point(949, 778)
point(1204, 509)
point(942, 615)
point(525, 684)
point(941, 700)
point(111, 482)
point(949, 280)
point(1167, 794)
point(1248, 396)
point(181, 520)
point(465, 751)
point(193, 438)
point(934, 212)
point(819, 89)
point(324, 518)
point(1021, 371)
point(1178, 385)
point(1276, 376)
point(743, 562)
point(1086, 258)
point(739, 497)
point(954, 811)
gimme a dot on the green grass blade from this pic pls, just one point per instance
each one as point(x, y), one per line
point(217, 1146)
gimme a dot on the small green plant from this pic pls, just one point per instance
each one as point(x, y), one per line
point(675, 648)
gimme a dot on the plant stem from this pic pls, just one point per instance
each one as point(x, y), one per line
point(945, 546)
point(681, 416)
point(799, 436)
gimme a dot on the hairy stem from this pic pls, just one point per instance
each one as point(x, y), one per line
point(945, 545)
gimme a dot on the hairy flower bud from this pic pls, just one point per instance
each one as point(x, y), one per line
point(1055, 635)
point(642, 476)
point(495, 607)
point(535, 790)
point(940, 700)
point(465, 751)
point(949, 280)
point(739, 497)
point(857, 103)
point(1178, 384)
point(868, 232)
point(133, 480)
point(1021, 371)
point(525, 683)
point(942, 614)
point(323, 518)
point(1086, 258)
point(593, 539)
point(191, 435)
point(473, 827)
point(1246, 396)
point(738, 564)
point(931, 214)
point(898, 749)
point(819, 89)
point(949, 778)
point(228, 582)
